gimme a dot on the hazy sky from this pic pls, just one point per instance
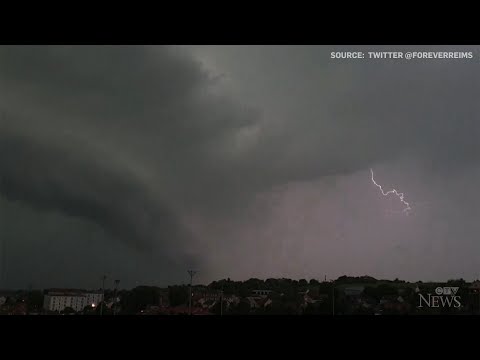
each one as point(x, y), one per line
point(238, 161)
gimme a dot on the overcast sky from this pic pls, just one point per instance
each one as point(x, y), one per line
point(238, 161)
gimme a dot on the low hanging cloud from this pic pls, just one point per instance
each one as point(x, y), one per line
point(77, 183)
point(112, 135)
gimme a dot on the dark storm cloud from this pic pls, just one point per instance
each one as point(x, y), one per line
point(338, 116)
point(151, 104)
point(120, 136)
point(80, 88)
point(79, 184)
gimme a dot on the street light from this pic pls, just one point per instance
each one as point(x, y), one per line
point(103, 294)
point(114, 305)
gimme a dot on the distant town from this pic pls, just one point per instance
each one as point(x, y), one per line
point(363, 295)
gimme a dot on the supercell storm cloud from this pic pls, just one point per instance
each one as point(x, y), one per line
point(239, 161)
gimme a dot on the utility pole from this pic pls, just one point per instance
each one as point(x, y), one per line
point(192, 274)
point(221, 303)
point(114, 305)
point(333, 297)
point(103, 294)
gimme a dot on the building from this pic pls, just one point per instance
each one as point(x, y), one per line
point(75, 299)
point(93, 298)
point(60, 301)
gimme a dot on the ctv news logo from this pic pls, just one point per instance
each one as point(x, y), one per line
point(444, 297)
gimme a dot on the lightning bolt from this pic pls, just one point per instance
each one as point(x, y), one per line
point(395, 192)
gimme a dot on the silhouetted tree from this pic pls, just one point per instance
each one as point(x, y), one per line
point(178, 295)
point(34, 300)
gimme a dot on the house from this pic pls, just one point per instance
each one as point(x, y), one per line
point(309, 298)
point(261, 293)
point(164, 299)
point(209, 295)
point(231, 299)
point(253, 304)
point(20, 309)
point(396, 307)
point(10, 297)
point(353, 290)
point(475, 287)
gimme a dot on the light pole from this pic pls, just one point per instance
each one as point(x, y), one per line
point(192, 274)
point(478, 291)
point(3, 265)
point(114, 305)
point(104, 277)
